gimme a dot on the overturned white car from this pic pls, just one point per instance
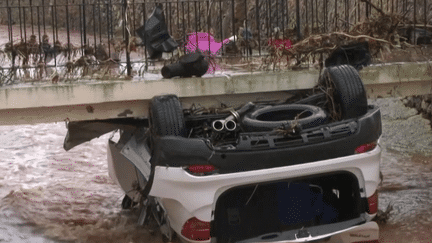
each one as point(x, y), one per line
point(303, 169)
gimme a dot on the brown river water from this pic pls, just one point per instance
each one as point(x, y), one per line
point(50, 195)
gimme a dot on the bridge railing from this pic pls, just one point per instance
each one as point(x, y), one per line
point(67, 39)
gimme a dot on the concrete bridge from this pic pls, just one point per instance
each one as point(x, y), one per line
point(43, 103)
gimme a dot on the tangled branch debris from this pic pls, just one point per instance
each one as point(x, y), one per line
point(383, 216)
point(380, 31)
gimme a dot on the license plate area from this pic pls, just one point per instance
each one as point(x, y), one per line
point(269, 209)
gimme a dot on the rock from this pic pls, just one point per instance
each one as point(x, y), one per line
point(429, 109)
point(427, 98)
point(417, 103)
point(424, 105)
point(411, 112)
point(410, 102)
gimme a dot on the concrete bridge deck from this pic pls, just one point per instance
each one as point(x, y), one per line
point(42, 103)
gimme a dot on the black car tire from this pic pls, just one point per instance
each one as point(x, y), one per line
point(166, 119)
point(166, 116)
point(349, 93)
point(271, 117)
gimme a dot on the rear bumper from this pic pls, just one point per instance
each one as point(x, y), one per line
point(261, 151)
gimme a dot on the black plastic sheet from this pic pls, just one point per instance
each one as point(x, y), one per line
point(155, 36)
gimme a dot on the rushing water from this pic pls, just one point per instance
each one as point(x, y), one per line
point(66, 196)
point(50, 195)
point(406, 165)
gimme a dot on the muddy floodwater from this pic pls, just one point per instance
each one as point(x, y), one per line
point(406, 165)
point(50, 195)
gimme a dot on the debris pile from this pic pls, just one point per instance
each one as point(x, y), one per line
point(382, 33)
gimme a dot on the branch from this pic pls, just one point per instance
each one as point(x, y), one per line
point(375, 7)
point(361, 36)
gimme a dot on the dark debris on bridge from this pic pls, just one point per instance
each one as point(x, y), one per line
point(95, 39)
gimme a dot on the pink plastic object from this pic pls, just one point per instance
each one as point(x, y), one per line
point(280, 44)
point(204, 42)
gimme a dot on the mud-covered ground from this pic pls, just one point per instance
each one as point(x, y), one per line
point(49, 195)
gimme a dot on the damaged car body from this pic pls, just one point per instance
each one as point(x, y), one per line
point(302, 169)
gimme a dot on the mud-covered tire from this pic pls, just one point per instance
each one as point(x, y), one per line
point(166, 116)
point(349, 93)
point(271, 117)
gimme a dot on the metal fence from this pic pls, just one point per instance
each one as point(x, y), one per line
point(52, 38)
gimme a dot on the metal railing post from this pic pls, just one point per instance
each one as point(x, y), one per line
point(126, 32)
point(84, 22)
point(298, 19)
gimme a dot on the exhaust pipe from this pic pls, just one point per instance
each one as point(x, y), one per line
point(224, 125)
point(218, 125)
point(230, 123)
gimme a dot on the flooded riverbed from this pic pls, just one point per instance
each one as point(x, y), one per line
point(49, 195)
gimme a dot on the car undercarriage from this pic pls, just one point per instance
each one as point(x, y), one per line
point(305, 168)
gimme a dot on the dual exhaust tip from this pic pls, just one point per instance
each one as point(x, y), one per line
point(224, 125)
point(230, 123)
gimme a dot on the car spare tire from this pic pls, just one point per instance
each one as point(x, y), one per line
point(346, 88)
point(271, 117)
point(166, 116)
